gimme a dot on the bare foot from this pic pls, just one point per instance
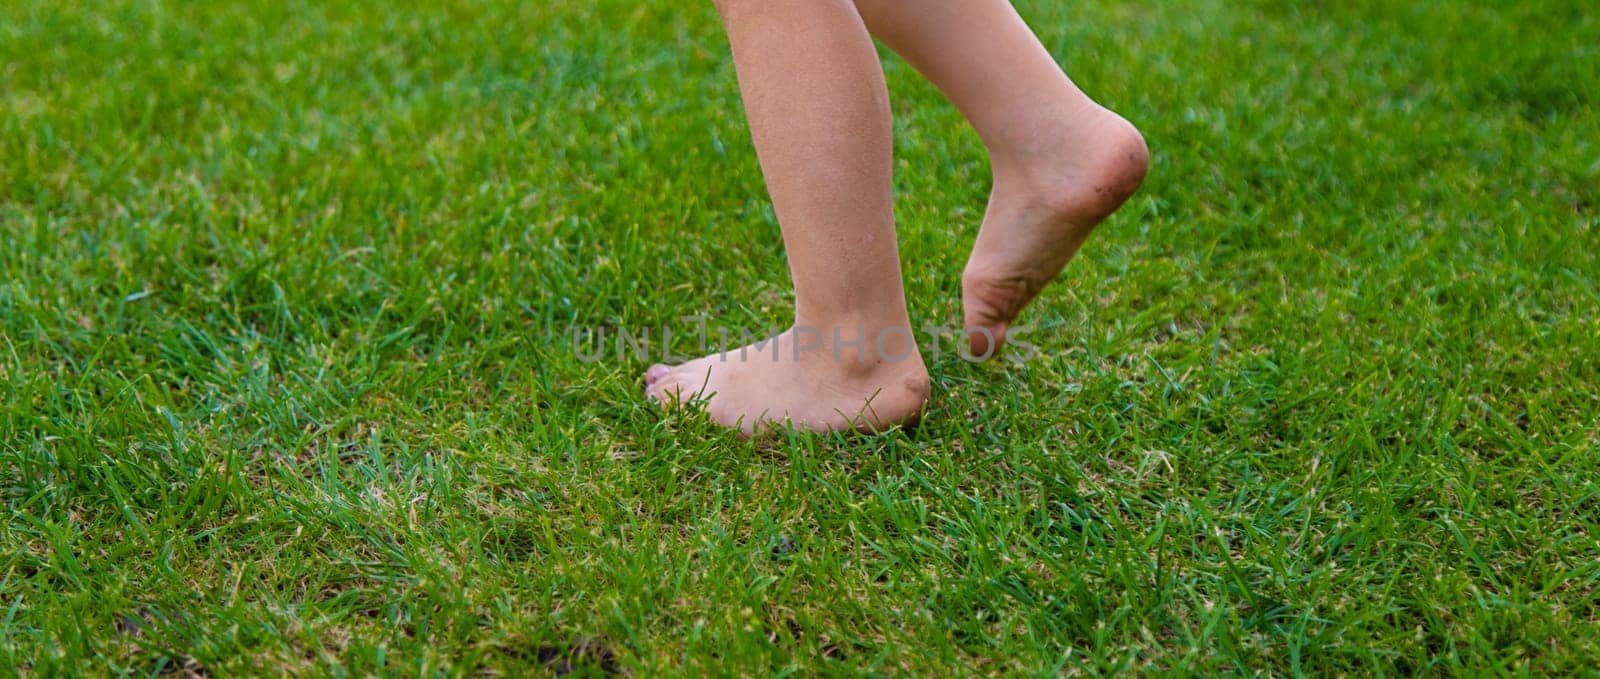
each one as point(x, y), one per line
point(1040, 211)
point(804, 378)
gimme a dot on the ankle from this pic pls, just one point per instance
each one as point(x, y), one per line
point(857, 349)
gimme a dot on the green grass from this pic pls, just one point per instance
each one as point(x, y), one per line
point(287, 385)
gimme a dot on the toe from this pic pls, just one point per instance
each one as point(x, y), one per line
point(655, 373)
point(985, 328)
point(985, 340)
point(664, 389)
point(989, 307)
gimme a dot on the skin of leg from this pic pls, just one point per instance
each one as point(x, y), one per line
point(819, 117)
point(1061, 162)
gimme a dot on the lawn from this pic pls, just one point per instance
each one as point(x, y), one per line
point(288, 381)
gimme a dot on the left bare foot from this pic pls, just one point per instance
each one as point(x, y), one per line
point(821, 387)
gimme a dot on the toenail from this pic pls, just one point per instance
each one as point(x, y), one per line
point(659, 390)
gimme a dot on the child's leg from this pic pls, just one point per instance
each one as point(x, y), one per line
point(819, 116)
point(1061, 163)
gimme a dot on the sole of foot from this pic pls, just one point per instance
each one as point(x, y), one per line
point(800, 380)
point(1040, 212)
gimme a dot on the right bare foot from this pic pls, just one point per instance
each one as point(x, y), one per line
point(1040, 211)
